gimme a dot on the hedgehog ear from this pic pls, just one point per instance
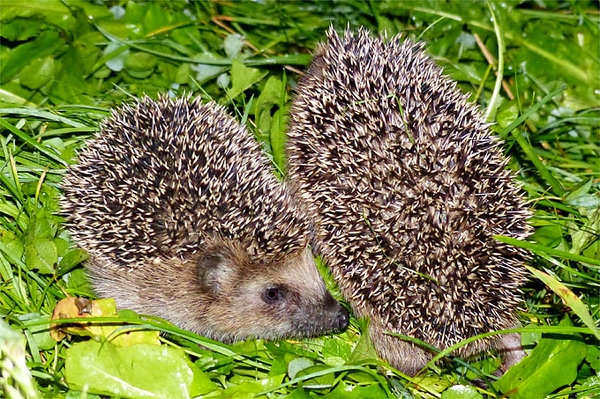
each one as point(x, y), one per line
point(214, 272)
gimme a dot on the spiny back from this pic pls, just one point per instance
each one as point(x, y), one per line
point(164, 175)
point(408, 187)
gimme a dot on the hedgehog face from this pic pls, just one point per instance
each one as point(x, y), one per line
point(272, 300)
point(225, 295)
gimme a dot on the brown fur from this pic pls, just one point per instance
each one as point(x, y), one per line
point(217, 293)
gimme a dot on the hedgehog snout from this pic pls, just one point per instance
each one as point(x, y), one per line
point(341, 316)
point(342, 320)
point(332, 318)
point(315, 311)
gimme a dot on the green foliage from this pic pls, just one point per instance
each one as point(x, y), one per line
point(552, 364)
point(64, 64)
point(134, 371)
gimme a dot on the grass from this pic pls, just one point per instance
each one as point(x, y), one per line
point(63, 65)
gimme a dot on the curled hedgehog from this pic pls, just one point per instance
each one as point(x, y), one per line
point(407, 188)
point(183, 218)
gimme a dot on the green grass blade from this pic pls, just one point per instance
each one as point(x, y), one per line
point(569, 297)
point(536, 248)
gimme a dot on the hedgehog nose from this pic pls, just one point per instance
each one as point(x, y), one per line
point(342, 319)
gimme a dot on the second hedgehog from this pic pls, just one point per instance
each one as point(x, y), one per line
point(408, 189)
point(183, 218)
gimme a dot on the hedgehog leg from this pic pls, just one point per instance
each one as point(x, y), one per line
point(511, 350)
point(402, 355)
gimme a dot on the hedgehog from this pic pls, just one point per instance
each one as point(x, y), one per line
point(183, 218)
point(407, 187)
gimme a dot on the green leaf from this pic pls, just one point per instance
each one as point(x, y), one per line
point(51, 11)
point(344, 390)
point(545, 55)
point(71, 259)
point(44, 45)
point(41, 254)
point(589, 201)
point(543, 249)
point(364, 350)
point(507, 113)
point(534, 159)
point(278, 137)
point(20, 29)
point(269, 96)
point(549, 236)
point(581, 196)
point(279, 366)
point(271, 118)
point(36, 113)
point(593, 357)
point(580, 190)
point(38, 73)
point(39, 332)
point(140, 65)
point(70, 83)
point(336, 352)
point(13, 245)
point(141, 371)
point(62, 246)
point(552, 364)
point(461, 392)
point(362, 377)
point(590, 386)
point(297, 365)
point(41, 227)
point(249, 388)
point(155, 18)
point(242, 78)
point(322, 381)
point(530, 337)
point(201, 384)
point(586, 235)
point(77, 282)
point(115, 55)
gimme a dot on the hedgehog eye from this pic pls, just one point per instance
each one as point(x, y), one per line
point(272, 294)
